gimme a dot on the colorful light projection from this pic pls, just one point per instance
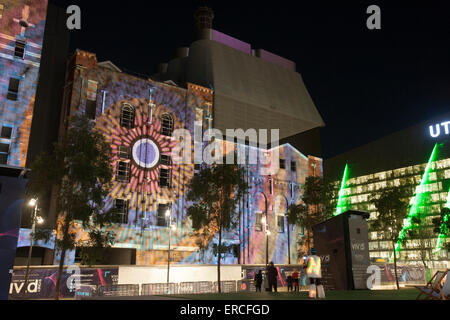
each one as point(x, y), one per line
point(443, 233)
point(22, 24)
point(145, 146)
point(417, 199)
point(341, 205)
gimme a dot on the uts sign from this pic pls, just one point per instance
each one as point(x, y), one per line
point(440, 129)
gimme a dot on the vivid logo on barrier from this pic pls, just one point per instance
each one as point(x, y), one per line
point(440, 129)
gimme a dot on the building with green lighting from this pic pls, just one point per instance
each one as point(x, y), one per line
point(416, 159)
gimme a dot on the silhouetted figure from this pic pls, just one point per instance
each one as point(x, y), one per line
point(289, 282)
point(258, 281)
point(295, 278)
point(272, 277)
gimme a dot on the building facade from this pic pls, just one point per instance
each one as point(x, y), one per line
point(138, 116)
point(415, 159)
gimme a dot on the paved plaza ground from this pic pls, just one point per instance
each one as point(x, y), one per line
point(403, 294)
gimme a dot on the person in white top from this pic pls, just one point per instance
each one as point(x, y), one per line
point(313, 267)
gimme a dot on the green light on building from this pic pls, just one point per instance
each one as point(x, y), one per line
point(443, 233)
point(413, 211)
point(341, 207)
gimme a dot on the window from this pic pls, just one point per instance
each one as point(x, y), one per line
point(127, 116)
point(121, 207)
point(91, 103)
point(293, 166)
point(282, 163)
point(166, 160)
point(166, 124)
point(19, 51)
point(4, 150)
point(123, 152)
point(6, 132)
point(123, 171)
point(280, 223)
point(1, 10)
point(258, 222)
point(161, 218)
point(164, 177)
point(13, 89)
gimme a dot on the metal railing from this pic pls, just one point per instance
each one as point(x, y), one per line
point(150, 289)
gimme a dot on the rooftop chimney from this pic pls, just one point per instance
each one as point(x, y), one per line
point(203, 19)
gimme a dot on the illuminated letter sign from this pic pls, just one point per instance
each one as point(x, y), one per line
point(436, 131)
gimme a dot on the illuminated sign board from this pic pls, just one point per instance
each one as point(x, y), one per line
point(440, 129)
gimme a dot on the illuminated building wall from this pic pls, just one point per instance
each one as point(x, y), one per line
point(417, 159)
point(136, 115)
point(22, 25)
point(359, 189)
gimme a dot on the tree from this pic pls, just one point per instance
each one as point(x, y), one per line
point(421, 232)
point(216, 191)
point(79, 170)
point(392, 207)
point(442, 226)
point(315, 208)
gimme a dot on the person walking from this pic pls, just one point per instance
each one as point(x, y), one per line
point(258, 280)
point(289, 282)
point(314, 272)
point(272, 277)
point(295, 278)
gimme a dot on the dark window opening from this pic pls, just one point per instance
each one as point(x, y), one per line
point(164, 177)
point(162, 219)
point(127, 116)
point(293, 166)
point(19, 51)
point(13, 89)
point(166, 125)
point(91, 108)
point(123, 152)
point(6, 132)
point(166, 160)
point(282, 164)
point(123, 171)
point(121, 210)
point(3, 158)
point(280, 223)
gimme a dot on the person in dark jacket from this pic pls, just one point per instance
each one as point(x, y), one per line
point(258, 280)
point(289, 282)
point(272, 277)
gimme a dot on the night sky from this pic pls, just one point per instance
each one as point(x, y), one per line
point(365, 83)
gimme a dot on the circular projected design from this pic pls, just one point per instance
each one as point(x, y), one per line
point(145, 153)
point(145, 145)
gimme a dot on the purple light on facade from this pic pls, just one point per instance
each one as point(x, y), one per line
point(231, 42)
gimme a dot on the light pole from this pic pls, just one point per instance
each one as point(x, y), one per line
point(172, 226)
point(266, 229)
point(34, 218)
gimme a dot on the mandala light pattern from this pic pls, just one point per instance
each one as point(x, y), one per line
point(145, 144)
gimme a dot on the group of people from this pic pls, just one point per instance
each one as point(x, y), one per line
point(312, 266)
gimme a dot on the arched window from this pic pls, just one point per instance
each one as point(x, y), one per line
point(166, 124)
point(127, 116)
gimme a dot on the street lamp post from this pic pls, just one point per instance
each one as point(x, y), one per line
point(35, 218)
point(173, 227)
point(267, 231)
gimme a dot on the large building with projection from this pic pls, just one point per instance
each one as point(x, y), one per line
point(137, 116)
point(416, 159)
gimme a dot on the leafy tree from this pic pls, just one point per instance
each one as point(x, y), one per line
point(216, 191)
point(314, 208)
point(421, 232)
point(392, 207)
point(442, 225)
point(79, 171)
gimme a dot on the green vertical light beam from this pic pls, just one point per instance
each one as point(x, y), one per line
point(340, 206)
point(443, 233)
point(416, 200)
